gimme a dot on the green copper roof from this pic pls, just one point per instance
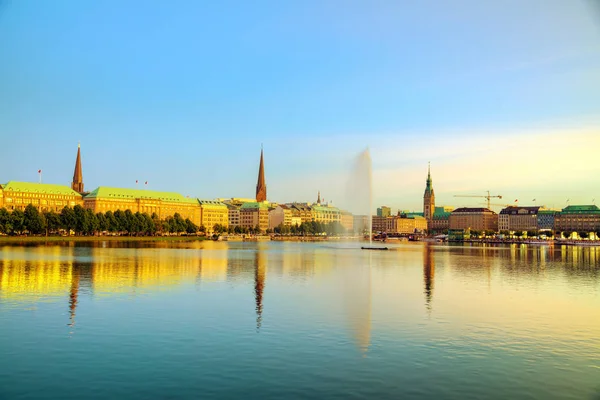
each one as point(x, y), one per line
point(211, 203)
point(104, 192)
point(254, 205)
point(589, 209)
point(44, 188)
point(414, 214)
point(547, 212)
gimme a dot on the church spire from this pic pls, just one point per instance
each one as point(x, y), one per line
point(319, 197)
point(261, 186)
point(429, 187)
point(77, 184)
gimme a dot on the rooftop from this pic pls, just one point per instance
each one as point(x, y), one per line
point(43, 188)
point(472, 210)
point(253, 205)
point(516, 210)
point(584, 209)
point(211, 203)
point(104, 192)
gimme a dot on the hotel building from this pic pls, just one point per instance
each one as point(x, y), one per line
point(518, 219)
point(213, 212)
point(480, 219)
point(584, 218)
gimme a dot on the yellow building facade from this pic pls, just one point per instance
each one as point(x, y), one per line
point(164, 204)
point(213, 212)
point(45, 197)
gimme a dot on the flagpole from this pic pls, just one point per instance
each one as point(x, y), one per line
point(40, 173)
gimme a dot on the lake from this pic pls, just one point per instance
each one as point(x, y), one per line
point(271, 320)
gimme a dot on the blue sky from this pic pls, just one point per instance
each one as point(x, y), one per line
point(183, 93)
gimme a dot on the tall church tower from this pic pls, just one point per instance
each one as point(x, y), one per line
point(261, 186)
point(428, 198)
point(77, 184)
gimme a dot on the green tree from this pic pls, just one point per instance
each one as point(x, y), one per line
point(67, 217)
point(17, 221)
point(190, 227)
point(567, 234)
point(53, 221)
point(81, 222)
point(518, 234)
point(92, 225)
point(532, 233)
point(5, 226)
point(102, 222)
point(237, 229)
point(33, 220)
point(583, 235)
point(158, 223)
point(121, 223)
point(150, 228)
point(112, 225)
point(179, 223)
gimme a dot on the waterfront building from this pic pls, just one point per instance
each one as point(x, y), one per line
point(441, 219)
point(545, 219)
point(480, 219)
point(325, 214)
point(164, 204)
point(254, 214)
point(233, 214)
point(296, 221)
point(280, 215)
point(45, 197)
point(428, 198)
point(583, 218)
point(518, 219)
point(213, 212)
point(77, 184)
point(261, 186)
point(404, 224)
point(302, 211)
point(384, 211)
point(399, 224)
point(347, 220)
point(379, 224)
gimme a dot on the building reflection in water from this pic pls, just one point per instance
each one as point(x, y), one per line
point(259, 282)
point(428, 274)
point(357, 299)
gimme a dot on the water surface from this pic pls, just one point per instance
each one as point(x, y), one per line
point(298, 320)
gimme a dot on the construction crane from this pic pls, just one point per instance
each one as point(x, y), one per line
point(488, 197)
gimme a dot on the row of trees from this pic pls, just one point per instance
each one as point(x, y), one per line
point(311, 228)
point(84, 222)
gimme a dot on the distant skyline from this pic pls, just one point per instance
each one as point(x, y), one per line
point(498, 96)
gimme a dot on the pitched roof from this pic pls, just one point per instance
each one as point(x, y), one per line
point(104, 192)
point(516, 210)
point(254, 206)
point(211, 203)
point(584, 209)
point(45, 188)
point(472, 210)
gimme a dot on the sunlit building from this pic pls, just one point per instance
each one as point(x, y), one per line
point(347, 220)
point(440, 221)
point(280, 215)
point(584, 218)
point(164, 204)
point(233, 214)
point(45, 197)
point(518, 219)
point(479, 219)
point(301, 210)
point(325, 214)
point(404, 224)
point(384, 211)
point(253, 214)
point(213, 212)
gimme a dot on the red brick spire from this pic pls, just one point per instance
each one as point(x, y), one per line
point(77, 184)
point(261, 186)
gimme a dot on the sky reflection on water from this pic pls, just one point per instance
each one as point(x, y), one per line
point(317, 319)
